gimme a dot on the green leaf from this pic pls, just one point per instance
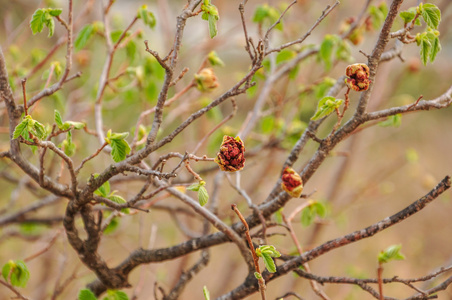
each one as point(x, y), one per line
point(119, 149)
point(112, 226)
point(326, 50)
point(117, 136)
point(21, 129)
point(269, 263)
point(83, 37)
point(7, 269)
point(147, 16)
point(269, 250)
point(20, 274)
point(257, 275)
point(196, 186)
point(37, 21)
point(86, 294)
point(75, 125)
point(392, 121)
point(50, 23)
point(104, 190)
point(377, 15)
point(326, 106)
point(39, 130)
point(55, 12)
point(214, 59)
point(320, 209)
point(203, 196)
point(131, 50)
point(58, 119)
point(391, 253)
point(206, 293)
point(119, 200)
point(408, 15)
point(212, 26)
point(436, 47)
point(285, 55)
point(426, 46)
point(307, 216)
point(116, 295)
point(431, 15)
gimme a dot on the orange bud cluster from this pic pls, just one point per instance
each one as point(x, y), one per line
point(357, 77)
point(292, 182)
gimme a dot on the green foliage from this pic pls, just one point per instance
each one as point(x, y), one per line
point(214, 59)
point(392, 121)
point(378, 14)
point(391, 253)
point(68, 124)
point(44, 17)
point(119, 146)
point(203, 195)
point(119, 200)
point(326, 106)
point(268, 14)
point(285, 55)
point(16, 272)
point(429, 44)
point(105, 192)
point(409, 15)
point(323, 87)
point(309, 213)
point(86, 294)
point(267, 252)
point(116, 295)
point(333, 47)
point(431, 14)
point(83, 37)
point(29, 126)
point(112, 226)
point(147, 16)
point(206, 293)
point(210, 14)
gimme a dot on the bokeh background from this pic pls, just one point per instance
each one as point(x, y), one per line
point(371, 175)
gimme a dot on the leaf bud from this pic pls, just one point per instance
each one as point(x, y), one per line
point(292, 182)
point(231, 157)
point(357, 77)
point(206, 81)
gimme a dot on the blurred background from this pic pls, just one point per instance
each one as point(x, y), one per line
point(370, 175)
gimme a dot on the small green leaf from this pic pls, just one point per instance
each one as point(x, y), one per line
point(210, 14)
point(391, 253)
point(203, 196)
point(116, 295)
point(55, 12)
point(269, 250)
point(408, 15)
point(269, 263)
point(436, 47)
point(212, 26)
point(58, 119)
point(20, 274)
point(104, 190)
point(39, 130)
point(425, 50)
point(206, 293)
point(75, 125)
point(119, 200)
point(147, 16)
point(307, 216)
point(392, 121)
point(7, 269)
point(326, 50)
point(326, 106)
point(214, 60)
point(431, 15)
point(86, 294)
point(37, 22)
point(257, 275)
point(377, 15)
point(112, 226)
point(285, 55)
point(83, 37)
point(119, 149)
point(196, 186)
point(21, 129)
point(320, 209)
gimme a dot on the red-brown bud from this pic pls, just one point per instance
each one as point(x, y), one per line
point(292, 182)
point(231, 157)
point(357, 77)
point(206, 81)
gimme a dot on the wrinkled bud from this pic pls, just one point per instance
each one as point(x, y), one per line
point(231, 157)
point(357, 77)
point(291, 182)
point(206, 81)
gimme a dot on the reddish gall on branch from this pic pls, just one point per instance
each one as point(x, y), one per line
point(231, 157)
point(357, 77)
point(292, 182)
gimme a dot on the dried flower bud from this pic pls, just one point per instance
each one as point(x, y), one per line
point(206, 81)
point(357, 77)
point(231, 157)
point(291, 182)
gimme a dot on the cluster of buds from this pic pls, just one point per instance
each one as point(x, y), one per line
point(206, 81)
point(292, 182)
point(357, 77)
point(231, 157)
